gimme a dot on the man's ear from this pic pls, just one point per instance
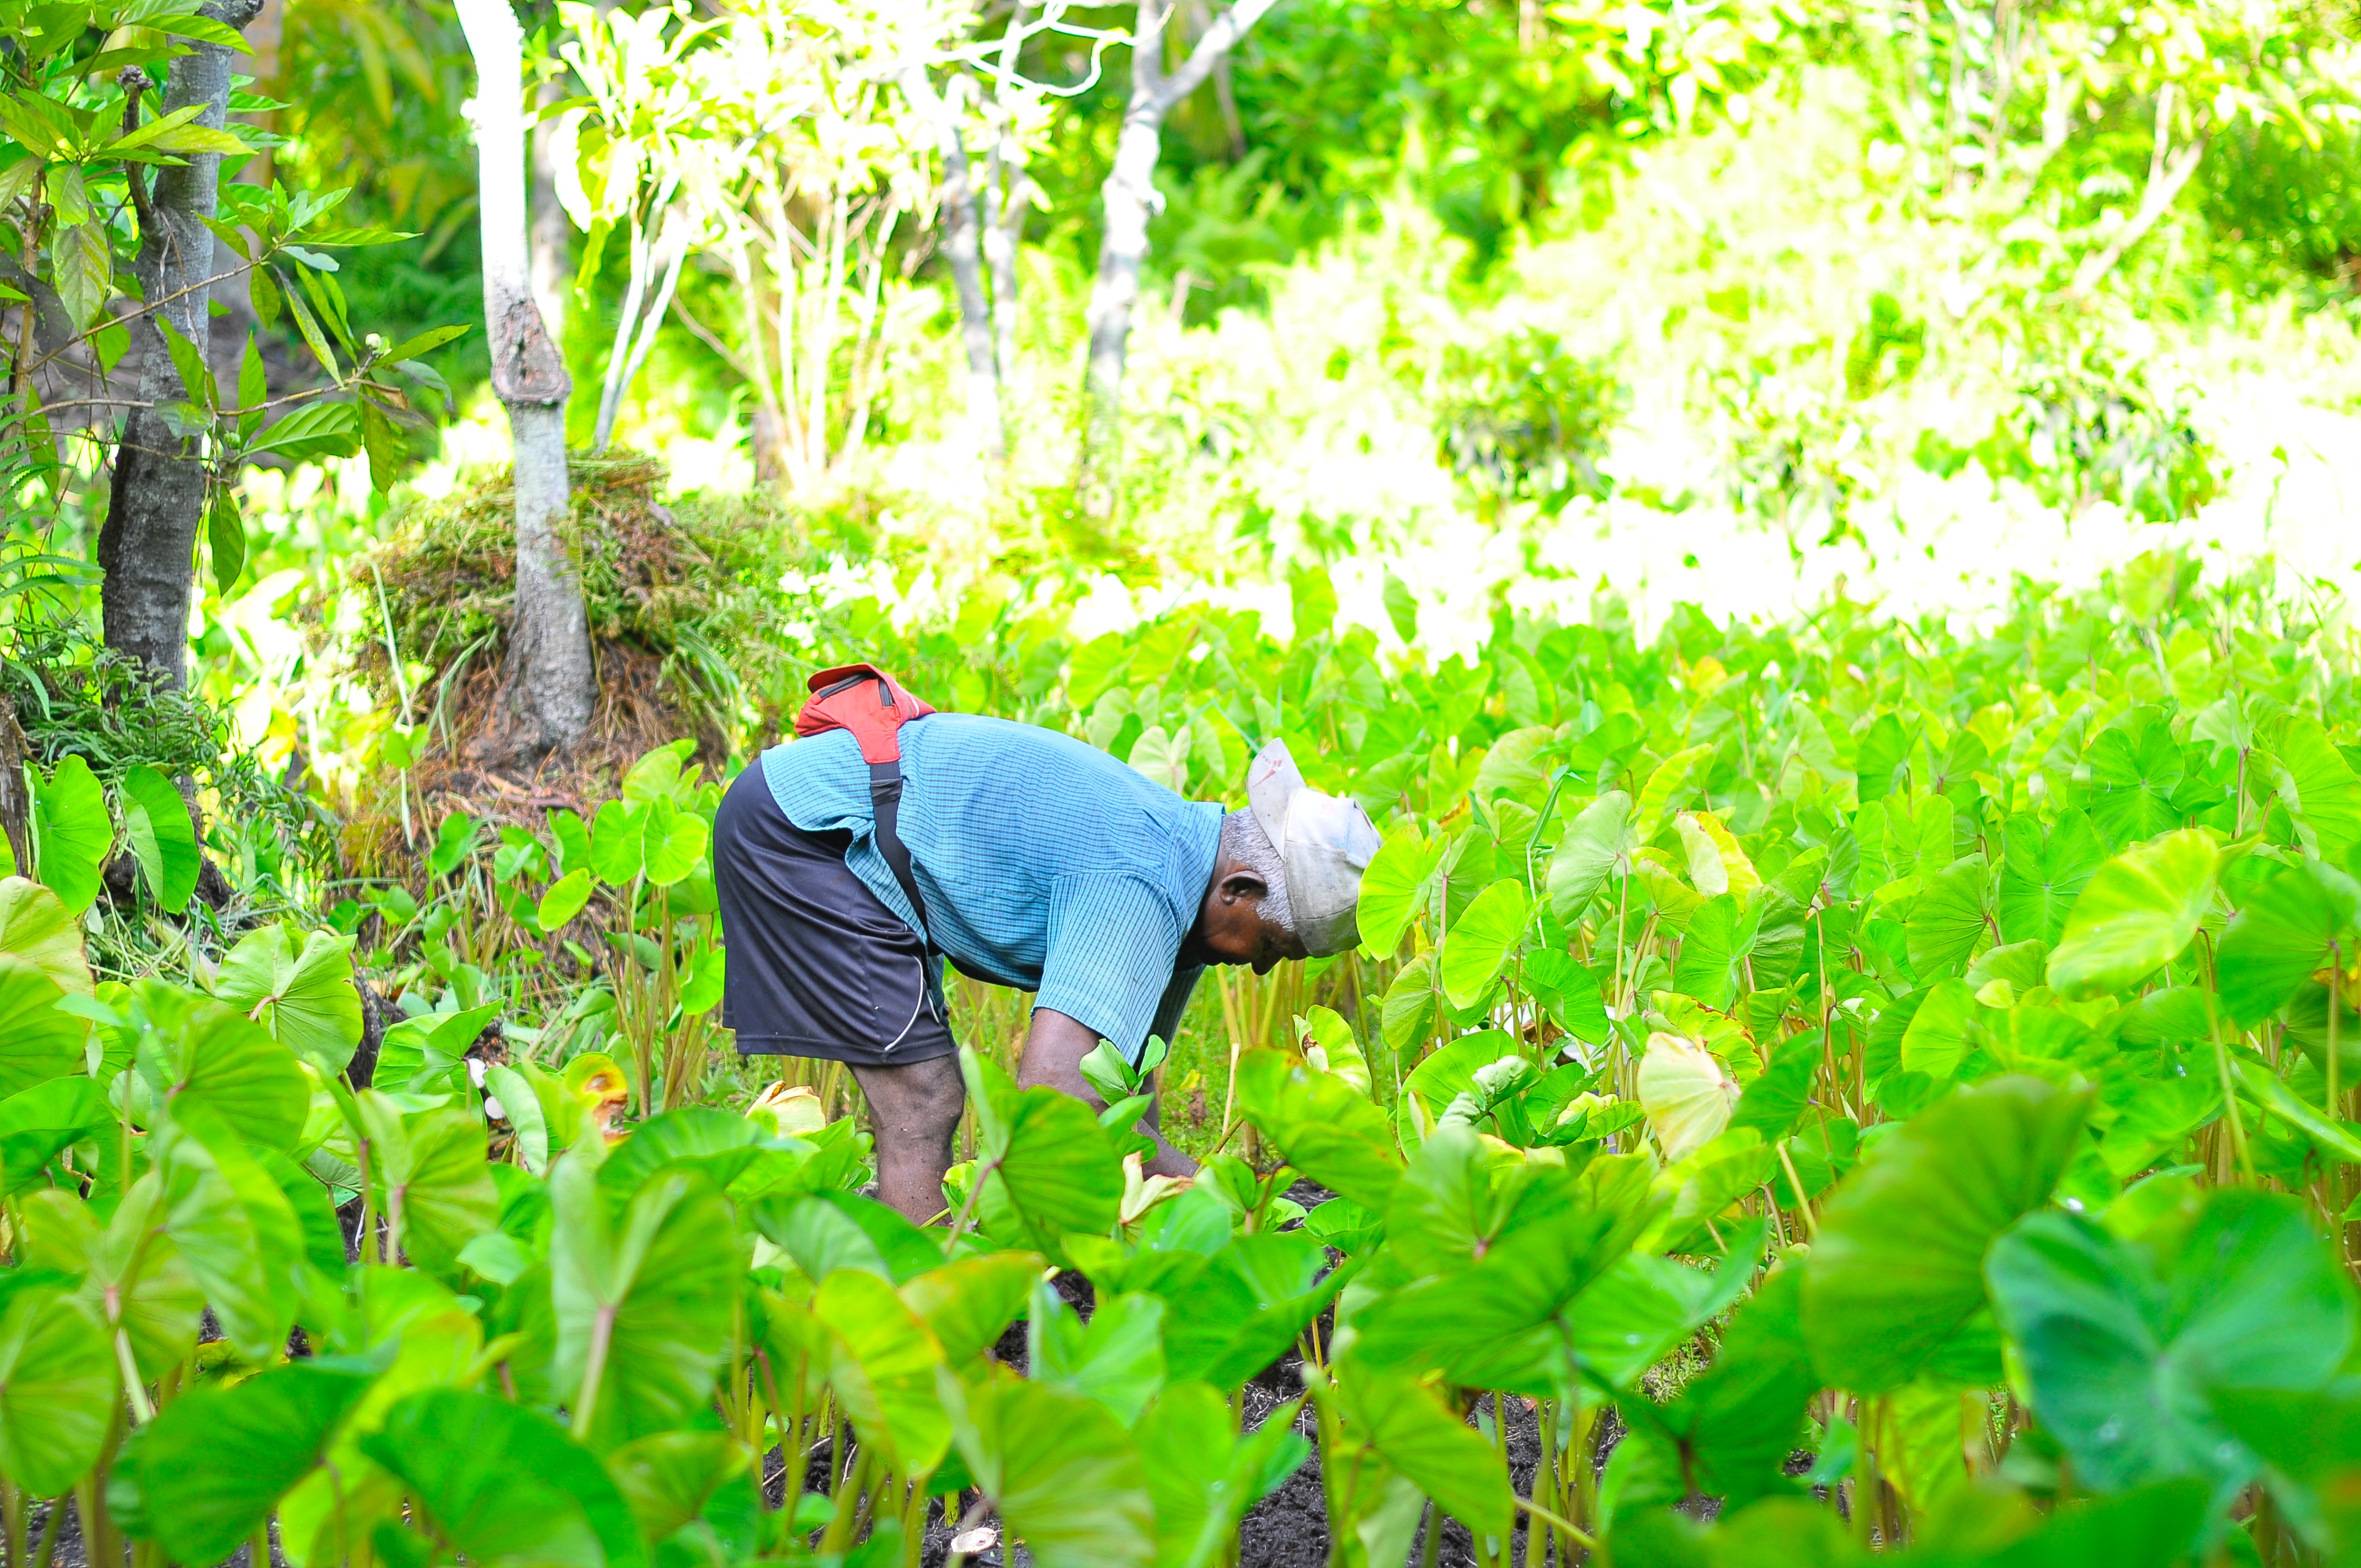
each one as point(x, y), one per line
point(1243, 886)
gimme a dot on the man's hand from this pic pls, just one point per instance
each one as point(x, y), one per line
point(1054, 1050)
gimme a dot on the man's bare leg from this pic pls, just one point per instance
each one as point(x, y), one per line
point(914, 1112)
point(1054, 1050)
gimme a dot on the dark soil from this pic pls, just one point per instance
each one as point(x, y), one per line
point(1287, 1529)
point(71, 1552)
point(1290, 1527)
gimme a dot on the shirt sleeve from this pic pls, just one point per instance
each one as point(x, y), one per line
point(1111, 945)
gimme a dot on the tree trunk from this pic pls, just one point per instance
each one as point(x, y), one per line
point(148, 544)
point(770, 439)
point(1003, 241)
point(552, 233)
point(1131, 200)
point(15, 805)
point(963, 249)
point(1225, 94)
point(1008, 193)
point(550, 686)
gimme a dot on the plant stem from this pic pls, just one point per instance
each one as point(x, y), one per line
point(363, 1237)
point(1622, 912)
point(1545, 1482)
point(1865, 1484)
point(2230, 1089)
point(602, 1334)
point(1803, 1203)
point(344, 1524)
point(134, 1385)
point(1585, 1454)
point(1230, 1089)
point(1227, 1133)
point(2336, 1000)
point(85, 1495)
point(967, 1204)
point(1580, 1536)
point(1505, 1549)
point(48, 1551)
point(849, 1493)
point(914, 1525)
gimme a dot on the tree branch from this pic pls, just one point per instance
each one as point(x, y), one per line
point(706, 335)
point(2165, 178)
point(1218, 40)
point(135, 82)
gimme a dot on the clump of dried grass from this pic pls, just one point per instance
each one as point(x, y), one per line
point(671, 579)
point(693, 636)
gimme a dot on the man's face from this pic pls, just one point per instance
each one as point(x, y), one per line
point(1230, 929)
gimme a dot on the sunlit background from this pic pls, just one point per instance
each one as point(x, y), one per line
point(1754, 307)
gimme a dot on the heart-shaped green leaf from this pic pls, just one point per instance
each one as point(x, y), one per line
point(2137, 912)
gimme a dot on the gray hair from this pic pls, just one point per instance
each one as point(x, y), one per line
point(1244, 844)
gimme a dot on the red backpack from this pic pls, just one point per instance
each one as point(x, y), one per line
point(871, 703)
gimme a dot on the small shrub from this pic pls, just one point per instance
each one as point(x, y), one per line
point(2086, 428)
point(1887, 350)
point(1523, 418)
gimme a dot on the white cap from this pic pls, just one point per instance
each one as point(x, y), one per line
point(1325, 843)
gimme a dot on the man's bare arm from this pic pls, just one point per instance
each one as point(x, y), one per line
point(1054, 1050)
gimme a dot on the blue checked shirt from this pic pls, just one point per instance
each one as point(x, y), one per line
point(1046, 864)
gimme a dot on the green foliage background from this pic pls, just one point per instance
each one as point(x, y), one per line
point(1826, 574)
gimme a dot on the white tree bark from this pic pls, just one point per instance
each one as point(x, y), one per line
point(551, 685)
point(2166, 173)
point(1131, 200)
point(635, 330)
point(963, 250)
point(1007, 195)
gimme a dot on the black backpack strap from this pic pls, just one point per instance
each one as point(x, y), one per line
point(885, 800)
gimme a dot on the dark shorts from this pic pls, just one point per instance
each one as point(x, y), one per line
point(817, 965)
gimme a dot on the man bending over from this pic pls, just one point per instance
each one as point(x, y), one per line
point(1041, 863)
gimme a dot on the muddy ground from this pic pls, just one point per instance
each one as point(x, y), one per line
point(68, 1552)
point(1290, 1527)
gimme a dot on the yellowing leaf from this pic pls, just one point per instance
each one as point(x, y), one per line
point(1717, 865)
point(1669, 783)
point(1163, 756)
point(1328, 1045)
point(1679, 902)
point(1685, 1093)
point(36, 926)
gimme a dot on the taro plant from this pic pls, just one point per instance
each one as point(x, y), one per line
point(1908, 1101)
